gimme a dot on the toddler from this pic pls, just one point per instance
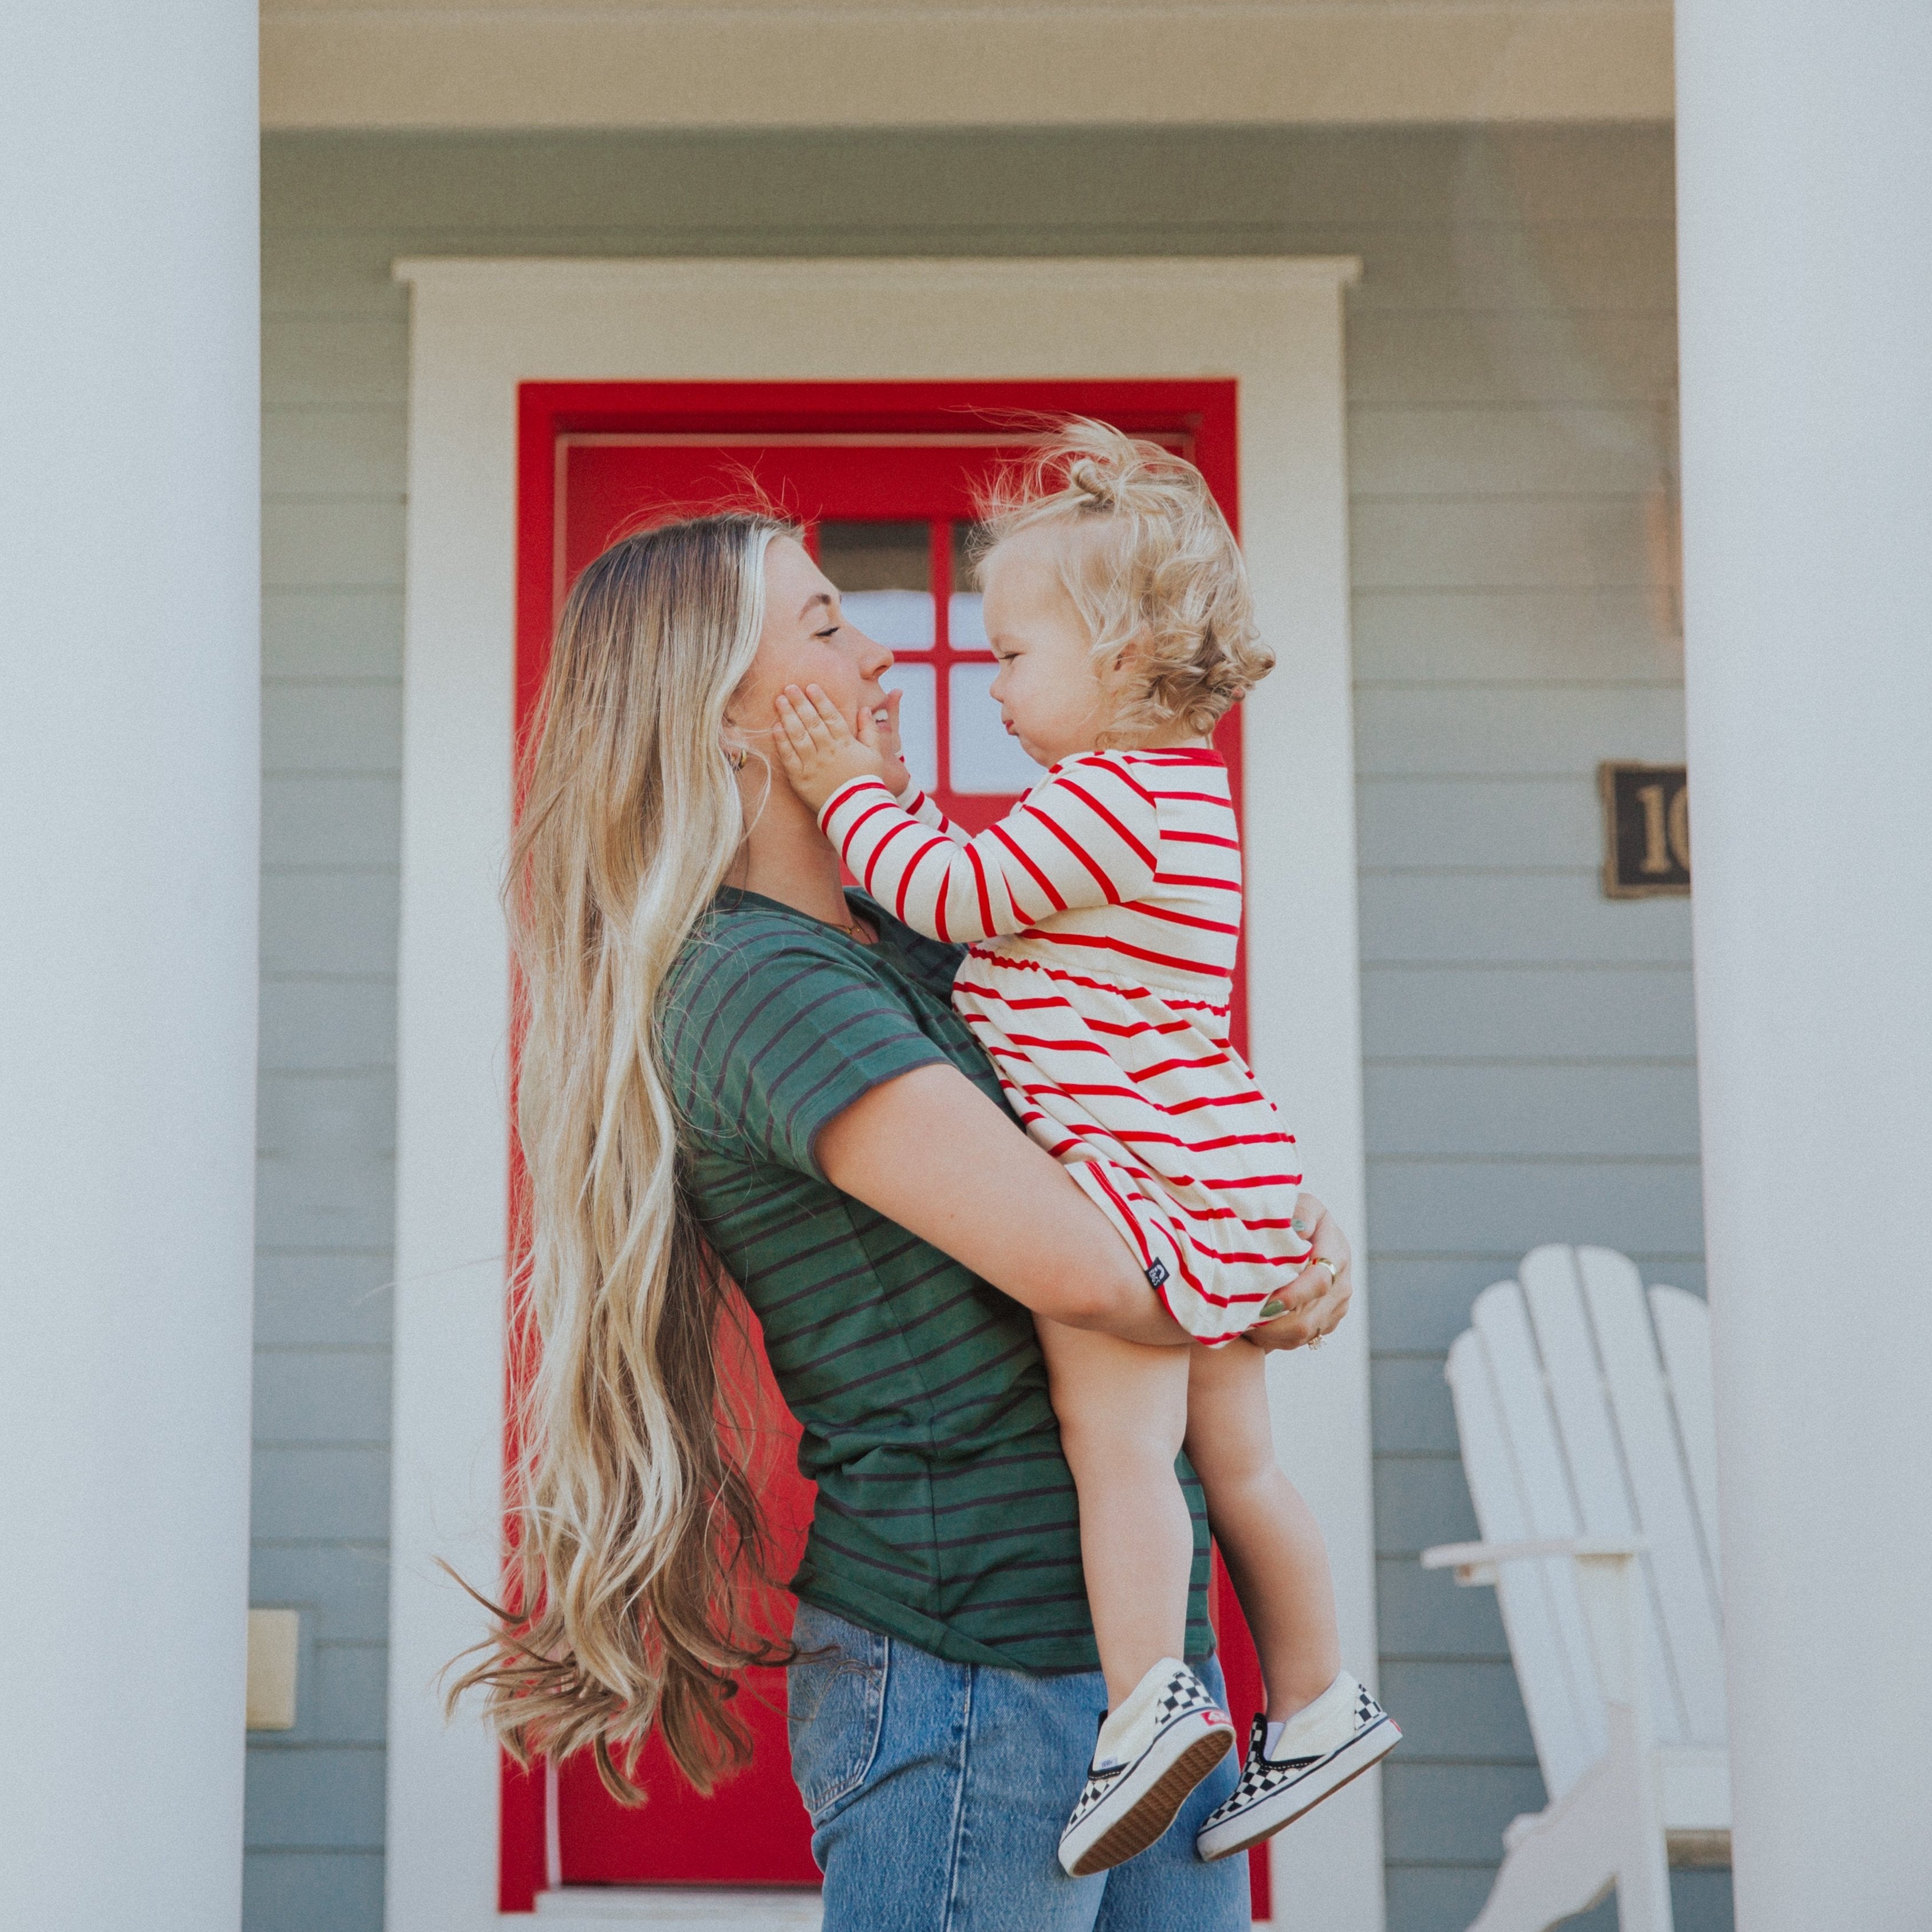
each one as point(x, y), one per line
point(1101, 917)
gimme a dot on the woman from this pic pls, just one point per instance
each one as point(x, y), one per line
point(727, 1056)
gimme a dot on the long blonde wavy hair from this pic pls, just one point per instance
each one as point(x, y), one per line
point(637, 1577)
point(1151, 566)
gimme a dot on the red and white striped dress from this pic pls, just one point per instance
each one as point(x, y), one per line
point(1101, 915)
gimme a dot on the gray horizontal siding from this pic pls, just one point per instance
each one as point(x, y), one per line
point(1529, 1047)
point(1509, 452)
point(1507, 356)
point(1492, 917)
point(1562, 1112)
point(292, 1887)
point(333, 632)
point(1492, 1009)
point(1502, 637)
point(332, 569)
point(1530, 1066)
point(1497, 731)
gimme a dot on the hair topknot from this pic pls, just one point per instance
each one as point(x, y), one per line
point(1086, 476)
point(1156, 574)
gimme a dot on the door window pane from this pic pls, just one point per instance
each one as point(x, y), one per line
point(901, 620)
point(884, 573)
point(965, 623)
point(984, 758)
point(919, 736)
point(967, 631)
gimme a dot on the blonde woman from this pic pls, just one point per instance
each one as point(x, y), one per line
point(731, 1064)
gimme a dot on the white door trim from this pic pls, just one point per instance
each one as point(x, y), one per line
point(480, 327)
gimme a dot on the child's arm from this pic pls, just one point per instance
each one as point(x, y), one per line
point(1087, 837)
point(914, 800)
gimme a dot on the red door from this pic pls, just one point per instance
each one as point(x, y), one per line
point(884, 477)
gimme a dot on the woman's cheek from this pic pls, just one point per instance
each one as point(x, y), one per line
point(846, 688)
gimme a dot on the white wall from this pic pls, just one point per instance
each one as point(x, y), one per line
point(1807, 160)
point(129, 495)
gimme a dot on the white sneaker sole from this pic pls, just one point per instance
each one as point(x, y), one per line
point(1149, 1796)
point(1280, 1808)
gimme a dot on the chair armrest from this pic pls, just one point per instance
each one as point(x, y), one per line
point(1608, 1587)
point(1478, 1562)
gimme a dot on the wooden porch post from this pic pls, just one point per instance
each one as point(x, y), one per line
point(1805, 179)
point(130, 308)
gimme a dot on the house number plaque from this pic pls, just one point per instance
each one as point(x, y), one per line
point(1646, 830)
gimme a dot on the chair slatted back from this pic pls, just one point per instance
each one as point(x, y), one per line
point(1683, 1325)
point(1584, 1408)
point(1509, 1448)
point(1682, 1589)
point(1595, 1455)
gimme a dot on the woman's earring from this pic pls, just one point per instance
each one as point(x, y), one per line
point(736, 759)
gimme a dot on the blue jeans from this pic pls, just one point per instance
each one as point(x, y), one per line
point(937, 1792)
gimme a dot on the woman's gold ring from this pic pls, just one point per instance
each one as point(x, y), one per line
point(1314, 1341)
point(1334, 1273)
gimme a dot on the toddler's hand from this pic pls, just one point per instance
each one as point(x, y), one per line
point(820, 754)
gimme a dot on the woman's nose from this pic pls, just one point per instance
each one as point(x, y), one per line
point(875, 659)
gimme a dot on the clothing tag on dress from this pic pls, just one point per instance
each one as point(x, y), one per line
point(1157, 1274)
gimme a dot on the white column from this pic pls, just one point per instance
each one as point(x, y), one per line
point(129, 701)
point(1805, 149)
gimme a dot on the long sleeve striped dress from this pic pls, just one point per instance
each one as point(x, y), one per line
point(1101, 916)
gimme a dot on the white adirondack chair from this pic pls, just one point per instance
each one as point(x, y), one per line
point(1585, 1411)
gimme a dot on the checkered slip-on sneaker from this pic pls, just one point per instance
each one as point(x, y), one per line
point(1275, 1792)
point(1173, 1744)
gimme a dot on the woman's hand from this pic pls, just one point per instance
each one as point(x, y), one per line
point(1318, 1297)
point(821, 755)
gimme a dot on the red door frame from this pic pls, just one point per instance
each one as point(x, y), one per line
point(1204, 410)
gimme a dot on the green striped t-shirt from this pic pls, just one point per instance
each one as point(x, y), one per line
point(946, 1514)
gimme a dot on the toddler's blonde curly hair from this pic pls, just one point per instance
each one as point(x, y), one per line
point(1152, 567)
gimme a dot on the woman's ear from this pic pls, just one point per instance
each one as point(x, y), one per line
point(734, 739)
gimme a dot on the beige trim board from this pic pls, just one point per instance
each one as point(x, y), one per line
point(903, 65)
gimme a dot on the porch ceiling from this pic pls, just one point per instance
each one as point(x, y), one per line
point(562, 63)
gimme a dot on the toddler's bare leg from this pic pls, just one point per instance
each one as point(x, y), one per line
point(1269, 1537)
point(1123, 1411)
